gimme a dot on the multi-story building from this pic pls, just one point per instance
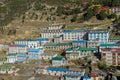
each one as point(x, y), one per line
point(58, 61)
point(113, 40)
point(114, 9)
point(34, 53)
point(58, 46)
point(21, 57)
point(17, 48)
point(3, 46)
point(58, 39)
point(98, 35)
point(75, 35)
point(29, 42)
point(81, 43)
point(33, 44)
point(81, 52)
point(93, 44)
point(42, 41)
point(21, 41)
point(51, 31)
point(11, 58)
point(111, 56)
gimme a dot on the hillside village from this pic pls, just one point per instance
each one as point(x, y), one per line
point(71, 54)
point(47, 41)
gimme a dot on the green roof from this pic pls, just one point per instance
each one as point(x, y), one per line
point(73, 48)
point(88, 49)
point(114, 38)
point(107, 44)
point(58, 44)
point(5, 66)
point(11, 54)
point(3, 59)
point(25, 39)
point(81, 48)
point(57, 58)
point(51, 44)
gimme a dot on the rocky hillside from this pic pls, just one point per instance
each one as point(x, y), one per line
point(28, 16)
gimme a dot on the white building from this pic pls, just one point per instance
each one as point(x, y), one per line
point(29, 42)
point(17, 48)
point(51, 31)
point(74, 35)
point(98, 35)
point(58, 61)
point(11, 58)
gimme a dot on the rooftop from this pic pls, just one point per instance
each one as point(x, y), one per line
point(34, 50)
point(57, 58)
point(107, 44)
point(81, 48)
point(74, 31)
point(21, 45)
point(5, 66)
point(25, 39)
point(58, 44)
point(57, 69)
point(79, 40)
point(21, 55)
point(42, 39)
point(11, 54)
point(98, 31)
point(88, 49)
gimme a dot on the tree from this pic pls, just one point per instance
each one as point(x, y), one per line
point(102, 15)
point(89, 14)
point(76, 10)
point(60, 10)
point(112, 16)
point(74, 18)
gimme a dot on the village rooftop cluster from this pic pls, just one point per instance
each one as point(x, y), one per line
point(73, 44)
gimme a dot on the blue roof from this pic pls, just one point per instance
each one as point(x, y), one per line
point(57, 69)
point(21, 55)
point(42, 39)
point(21, 45)
point(34, 50)
point(98, 31)
point(85, 77)
point(25, 39)
point(67, 31)
point(107, 44)
point(79, 40)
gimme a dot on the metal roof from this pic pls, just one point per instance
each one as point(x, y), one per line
point(42, 39)
point(21, 55)
point(57, 58)
point(107, 44)
point(34, 50)
point(57, 69)
point(79, 40)
point(21, 45)
point(74, 31)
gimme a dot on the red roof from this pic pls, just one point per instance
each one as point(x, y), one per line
point(12, 45)
point(115, 50)
point(102, 8)
point(111, 49)
point(94, 74)
point(115, 7)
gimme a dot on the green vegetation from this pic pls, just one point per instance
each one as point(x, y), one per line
point(60, 10)
point(13, 9)
point(74, 18)
point(102, 15)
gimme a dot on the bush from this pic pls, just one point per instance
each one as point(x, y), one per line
point(60, 10)
point(74, 18)
point(102, 15)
